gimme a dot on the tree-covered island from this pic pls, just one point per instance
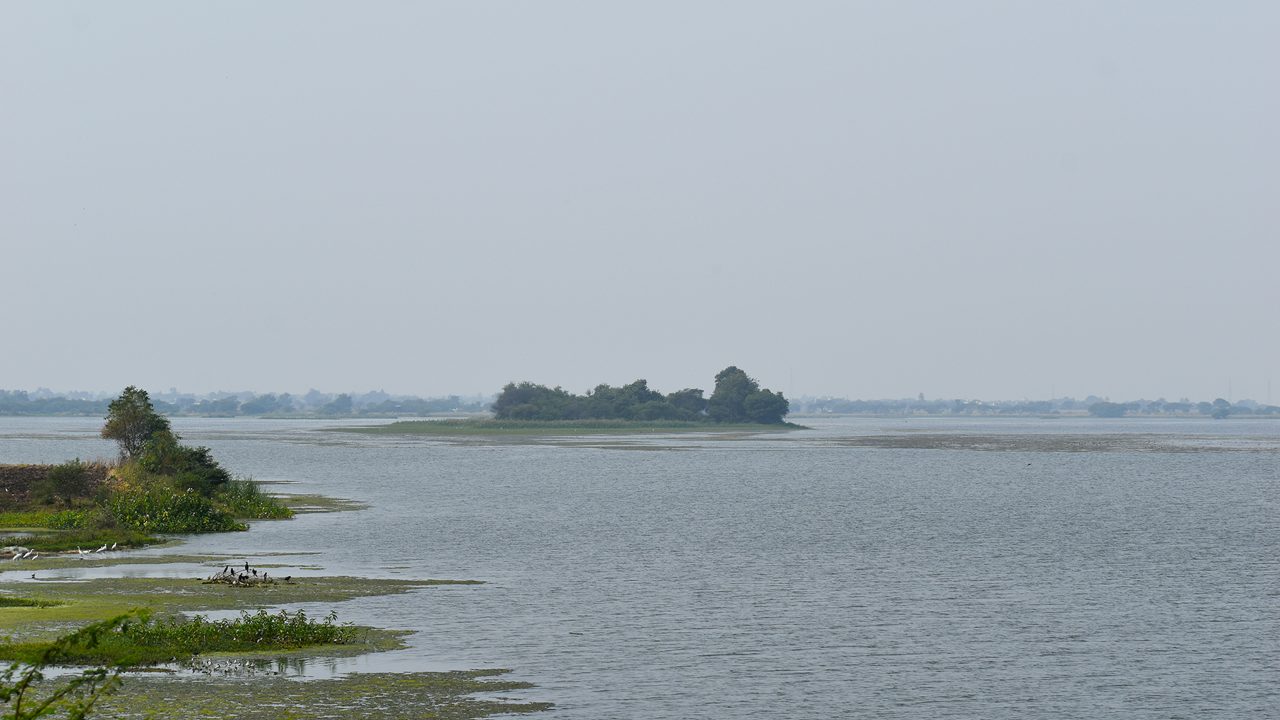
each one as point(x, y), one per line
point(737, 403)
point(737, 399)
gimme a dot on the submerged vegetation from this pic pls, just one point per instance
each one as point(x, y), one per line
point(386, 696)
point(737, 399)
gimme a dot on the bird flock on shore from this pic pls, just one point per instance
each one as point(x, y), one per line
point(246, 576)
point(18, 552)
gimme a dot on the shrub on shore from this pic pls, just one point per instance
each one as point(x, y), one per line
point(166, 510)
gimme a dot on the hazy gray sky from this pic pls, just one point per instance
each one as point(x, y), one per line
point(964, 199)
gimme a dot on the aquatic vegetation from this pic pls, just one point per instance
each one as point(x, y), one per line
point(387, 696)
point(147, 641)
point(243, 498)
point(99, 599)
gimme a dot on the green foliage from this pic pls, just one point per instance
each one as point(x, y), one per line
point(765, 407)
point(244, 499)
point(70, 519)
point(26, 697)
point(738, 398)
point(25, 519)
point(190, 467)
point(131, 421)
point(64, 482)
point(637, 402)
point(147, 641)
point(164, 510)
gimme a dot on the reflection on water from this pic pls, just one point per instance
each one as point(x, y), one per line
point(998, 568)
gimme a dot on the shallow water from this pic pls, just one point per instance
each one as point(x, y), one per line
point(844, 571)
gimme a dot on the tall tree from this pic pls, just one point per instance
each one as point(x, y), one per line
point(727, 401)
point(739, 399)
point(131, 421)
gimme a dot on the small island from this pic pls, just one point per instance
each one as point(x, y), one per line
point(737, 403)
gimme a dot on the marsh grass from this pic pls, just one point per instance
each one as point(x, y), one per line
point(7, 601)
point(147, 641)
point(244, 498)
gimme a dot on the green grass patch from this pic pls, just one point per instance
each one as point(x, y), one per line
point(88, 539)
point(100, 599)
point(491, 426)
point(25, 519)
point(8, 601)
point(148, 641)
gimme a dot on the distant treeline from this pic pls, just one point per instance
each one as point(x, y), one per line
point(377, 403)
point(737, 398)
point(1092, 405)
point(1218, 409)
point(746, 403)
point(18, 402)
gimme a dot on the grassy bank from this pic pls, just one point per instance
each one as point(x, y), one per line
point(489, 426)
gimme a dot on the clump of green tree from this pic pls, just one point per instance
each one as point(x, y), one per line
point(737, 398)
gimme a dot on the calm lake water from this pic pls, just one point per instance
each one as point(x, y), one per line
point(868, 568)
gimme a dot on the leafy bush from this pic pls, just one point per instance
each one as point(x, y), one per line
point(64, 482)
point(190, 467)
point(68, 520)
point(245, 499)
point(164, 510)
